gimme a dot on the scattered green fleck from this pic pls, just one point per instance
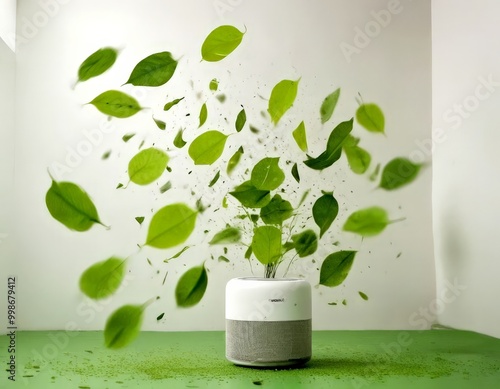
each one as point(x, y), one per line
point(214, 85)
point(221, 97)
point(222, 258)
point(295, 173)
point(160, 316)
point(120, 185)
point(139, 219)
point(203, 115)
point(160, 124)
point(165, 187)
point(127, 137)
point(106, 155)
point(363, 296)
point(259, 382)
point(178, 254)
point(374, 174)
point(215, 179)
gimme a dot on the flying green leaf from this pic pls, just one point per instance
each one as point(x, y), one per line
point(123, 326)
point(203, 115)
point(251, 197)
point(336, 267)
point(171, 226)
point(266, 244)
point(160, 124)
point(248, 252)
point(191, 287)
point(215, 179)
point(160, 316)
point(277, 211)
point(227, 235)
point(370, 116)
point(220, 43)
point(71, 205)
point(165, 187)
point(398, 172)
point(374, 174)
point(177, 255)
point(139, 219)
point(102, 279)
point(127, 137)
point(325, 210)
point(97, 63)
point(214, 85)
point(172, 103)
point(147, 166)
point(221, 97)
point(222, 258)
point(178, 141)
point(299, 134)
point(234, 160)
point(207, 147)
point(359, 159)
point(328, 105)
point(267, 175)
point(295, 172)
point(367, 222)
point(254, 129)
point(363, 295)
point(305, 243)
point(282, 98)
point(106, 155)
point(154, 70)
point(333, 147)
point(116, 103)
point(241, 119)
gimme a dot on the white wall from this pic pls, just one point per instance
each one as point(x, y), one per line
point(285, 39)
point(8, 22)
point(466, 167)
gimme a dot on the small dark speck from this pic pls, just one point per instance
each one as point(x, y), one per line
point(89, 351)
point(258, 382)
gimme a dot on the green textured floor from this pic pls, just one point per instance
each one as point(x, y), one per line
point(341, 359)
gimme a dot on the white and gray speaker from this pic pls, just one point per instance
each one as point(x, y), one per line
point(268, 321)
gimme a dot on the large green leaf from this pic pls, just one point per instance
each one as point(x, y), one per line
point(191, 287)
point(102, 279)
point(367, 222)
point(249, 196)
point(282, 98)
point(207, 147)
point(234, 160)
point(227, 235)
point(359, 159)
point(266, 244)
point(336, 267)
point(328, 105)
point(371, 117)
point(154, 70)
point(220, 43)
point(171, 226)
point(97, 63)
point(305, 243)
point(325, 210)
point(116, 103)
point(71, 205)
point(147, 166)
point(398, 172)
point(240, 120)
point(299, 134)
point(277, 211)
point(333, 147)
point(123, 326)
point(267, 175)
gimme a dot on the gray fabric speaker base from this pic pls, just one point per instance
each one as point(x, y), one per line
point(268, 343)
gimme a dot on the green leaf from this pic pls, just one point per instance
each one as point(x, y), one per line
point(398, 172)
point(248, 252)
point(178, 141)
point(127, 137)
point(299, 134)
point(191, 287)
point(221, 98)
point(71, 205)
point(177, 255)
point(374, 174)
point(222, 258)
point(267, 175)
point(203, 115)
point(305, 243)
point(147, 166)
point(277, 211)
point(370, 116)
point(220, 43)
point(106, 155)
point(363, 296)
point(333, 147)
point(251, 197)
point(170, 104)
point(295, 173)
point(367, 222)
point(359, 159)
point(214, 85)
point(240, 120)
point(215, 179)
point(165, 187)
point(207, 147)
point(171, 226)
point(234, 160)
point(227, 235)
point(328, 105)
point(97, 63)
point(325, 210)
point(116, 103)
point(123, 326)
point(266, 244)
point(336, 267)
point(160, 124)
point(282, 98)
point(160, 316)
point(154, 70)
point(102, 279)
point(139, 219)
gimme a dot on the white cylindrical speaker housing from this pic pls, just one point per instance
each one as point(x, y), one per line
point(268, 321)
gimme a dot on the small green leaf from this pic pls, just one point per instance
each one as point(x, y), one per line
point(359, 159)
point(295, 173)
point(254, 129)
point(170, 104)
point(222, 258)
point(227, 235)
point(335, 268)
point(398, 172)
point(374, 174)
point(267, 175)
point(221, 97)
point(299, 134)
point(328, 105)
point(214, 85)
point(160, 316)
point(282, 98)
point(165, 187)
point(106, 155)
point(123, 326)
point(266, 244)
point(248, 252)
point(160, 124)
point(102, 279)
point(120, 185)
point(325, 210)
point(363, 296)
point(139, 219)
point(207, 147)
point(154, 70)
point(215, 179)
point(370, 116)
point(191, 287)
point(177, 255)
point(220, 43)
point(171, 226)
point(203, 115)
point(305, 243)
point(240, 120)
point(116, 103)
point(249, 196)
point(97, 63)
point(127, 137)
point(147, 166)
point(367, 222)
point(178, 141)
point(71, 205)
point(277, 211)
point(234, 160)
